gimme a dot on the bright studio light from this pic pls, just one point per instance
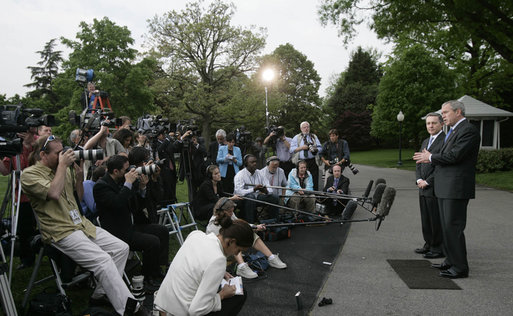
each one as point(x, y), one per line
point(268, 75)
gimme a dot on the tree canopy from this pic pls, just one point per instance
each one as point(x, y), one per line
point(202, 55)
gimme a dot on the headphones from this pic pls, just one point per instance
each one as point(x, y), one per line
point(300, 162)
point(245, 159)
point(210, 170)
point(272, 158)
point(220, 208)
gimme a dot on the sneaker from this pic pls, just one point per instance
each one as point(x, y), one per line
point(245, 271)
point(277, 263)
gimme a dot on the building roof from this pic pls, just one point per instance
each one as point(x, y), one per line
point(476, 108)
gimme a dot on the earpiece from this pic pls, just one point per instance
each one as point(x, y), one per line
point(272, 158)
point(210, 171)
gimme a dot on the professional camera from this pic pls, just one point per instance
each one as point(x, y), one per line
point(84, 76)
point(312, 147)
point(187, 125)
point(153, 125)
point(92, 122)
point(147, 170)
point(89, 154)
point(279, 131)
point(351, 167)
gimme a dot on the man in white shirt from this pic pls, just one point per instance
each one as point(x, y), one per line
point(275, 175)
point(252, 184)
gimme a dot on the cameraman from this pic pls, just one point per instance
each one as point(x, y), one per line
point(121, 194)
point(334, 152)
point(192, 160)
point(165, 148)
point(26, 221)
point(87, 99)
point(43, 130)
point(101, 140)
point(282, 149)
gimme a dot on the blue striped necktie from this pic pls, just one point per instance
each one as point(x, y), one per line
point(447, 136)
point(430, 142)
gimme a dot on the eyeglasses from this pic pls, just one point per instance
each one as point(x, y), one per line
point(49, 139)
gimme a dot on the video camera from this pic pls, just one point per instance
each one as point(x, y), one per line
point(153, 125)
point(187, 125)
point(16, 119)
point(91, 122)
point(84, 76)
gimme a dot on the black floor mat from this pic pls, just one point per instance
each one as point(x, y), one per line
point(304, 253)
point(418, 274)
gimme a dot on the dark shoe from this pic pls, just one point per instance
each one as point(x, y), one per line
point(440, 266)
point(143, 311)
point(151, 286)
point(449, 273)
point(433, 255)
point(422, 250)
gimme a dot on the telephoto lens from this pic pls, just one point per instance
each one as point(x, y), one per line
point(148, 170)
point(90, 154)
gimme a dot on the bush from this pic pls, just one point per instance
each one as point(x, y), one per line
point(495, 160)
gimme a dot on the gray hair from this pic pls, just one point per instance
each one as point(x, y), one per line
point(455, 105)
point(221, 132)
point(440, 119)
point(74, 135)
point(305, 122)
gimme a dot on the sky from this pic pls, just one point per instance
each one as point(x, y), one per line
point(28, 24)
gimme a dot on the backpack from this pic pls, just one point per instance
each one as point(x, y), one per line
point(274, 233)
point(257, 261)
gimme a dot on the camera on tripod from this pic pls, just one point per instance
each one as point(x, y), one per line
point(187, 125)
point(92, 122)
point(16, 119)
point(153, 125)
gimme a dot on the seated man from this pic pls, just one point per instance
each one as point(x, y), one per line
point(251, 184)
point(49, 183)
point(299, 179)
point(275, 175)
point(117, 196)
point(338, 184)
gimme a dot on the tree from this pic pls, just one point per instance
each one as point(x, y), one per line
point(353, 93)
point(202, 56)
point(416, 84)
point(491, 21)
point(105, 47)
point(294, 92)
point(43, 76)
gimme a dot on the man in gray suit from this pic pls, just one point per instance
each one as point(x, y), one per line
point(454, 185)
point(429, 214)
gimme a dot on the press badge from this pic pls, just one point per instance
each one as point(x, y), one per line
point(75, 217)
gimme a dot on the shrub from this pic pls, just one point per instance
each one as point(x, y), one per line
point(495, 160)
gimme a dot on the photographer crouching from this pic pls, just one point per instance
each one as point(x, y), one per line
point(121, 193)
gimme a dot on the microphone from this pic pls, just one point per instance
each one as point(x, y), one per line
point(369, 187)
point(378, 193)
point(386, 202)
point(349, 210)
point(380, 180)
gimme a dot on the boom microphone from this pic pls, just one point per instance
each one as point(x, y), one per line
point(369, 187)
point(380, 180)
point(378, 193)
point(349, 210)
point(386, 202)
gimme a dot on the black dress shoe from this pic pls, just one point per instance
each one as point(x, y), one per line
point(422, 250)
point(441, 266)
point(433, 255)
point(449, 273)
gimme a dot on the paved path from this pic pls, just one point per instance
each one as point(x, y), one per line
point(363, 283)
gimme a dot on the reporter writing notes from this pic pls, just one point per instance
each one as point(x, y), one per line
point(192, 281)
point(455, 172)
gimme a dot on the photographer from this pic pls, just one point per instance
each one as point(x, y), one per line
point(192, 160)
point(165, 148)
point(117, 204)
point(306, 146)
point(282, 147)
point(87, 98)
point(334, 152)
point(213, 148)
point(50, 184)
point(26, 221)
point(43, 130)
point(125, 137)
point(101, 140)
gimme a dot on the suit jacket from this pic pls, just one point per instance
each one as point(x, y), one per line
point(343, 184)
point(455, 172)
point(223, 165)
point(426, 171)
point(113, 205)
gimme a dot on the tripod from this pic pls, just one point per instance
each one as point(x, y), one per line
point(10, 195)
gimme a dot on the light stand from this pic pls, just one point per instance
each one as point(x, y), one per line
point(400, 119)
point(268, 76)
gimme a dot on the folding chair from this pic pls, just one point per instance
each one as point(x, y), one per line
point(166, 218)
point(178, 217)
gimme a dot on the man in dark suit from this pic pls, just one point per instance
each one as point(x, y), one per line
point(454, 185)
point(214, 146)
point(336, 183)
point(429, 213)
point(117, 195)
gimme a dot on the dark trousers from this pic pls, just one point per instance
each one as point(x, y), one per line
point(231, 306)
point(430, 220)
point(287, 166)
point(453, 216)
point(312, 166)
point(204, 212)
point(168, 181)
point(26, 231)
point(153, 241)
point(248, 208)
